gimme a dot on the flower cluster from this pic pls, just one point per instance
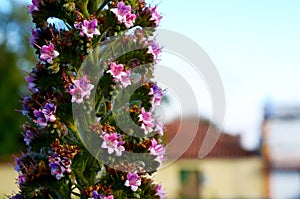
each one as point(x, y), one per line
point(133, 181)
point(157, 150)
point(81, 89)
point(60, 161)
point(96, 195)
point(113, 143)
point(48, 53)
point(117, 71)
point(157, 94)
point(57, 155)
point(45, 115)
point(88, 28)
point(147, 121)
point(123, 13)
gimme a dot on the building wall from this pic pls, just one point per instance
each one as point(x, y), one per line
point(219, 178)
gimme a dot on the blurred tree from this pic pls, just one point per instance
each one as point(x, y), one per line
point(16, 55)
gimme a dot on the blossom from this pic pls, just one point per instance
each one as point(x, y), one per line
point(157, 150)
point(154, 49)
point(48, 53)
point(155, 16)
point(160, 192)
point(116, 70)
point(21, 179)
point(123, 13)
point(30, 84)
point(96, 195)
point(147, 121)
point(133, 181)
point(159, 128)
point(59, 166)
point(157, 94)
point(27, 137)
point(88, 28)
point(81, 89)
point(33, 6)
point(113, 143)
point(45, 115)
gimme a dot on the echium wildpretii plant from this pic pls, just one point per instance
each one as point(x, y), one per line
point(94, 56)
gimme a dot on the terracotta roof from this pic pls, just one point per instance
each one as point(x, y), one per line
point(185, 138)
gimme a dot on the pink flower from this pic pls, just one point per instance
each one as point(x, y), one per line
point(81, 89)
point(109, 197)
point(88, 28)
point(157, 150)
point(116, 70)
point(159, 128)
point(119, 75)
point(123, 13)
point(157, 93)
point(154, 49)
point(133, 181)
point(155, 16)
point(112, 142)
point(160, 192)
point(147, 121)
point(48, 53)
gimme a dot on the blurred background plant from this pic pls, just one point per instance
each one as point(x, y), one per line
point(16, 55)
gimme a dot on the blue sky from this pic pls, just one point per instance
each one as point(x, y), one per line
point(255, 45)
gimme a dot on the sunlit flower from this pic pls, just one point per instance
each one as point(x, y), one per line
point(154, 49)
point(133, 181)
point(157, 150)
point(123, 13)
point(157, 94)
point(155, 16)
point(113, 143)
point(161, 192)
point(88, 28)
point(147, 121)
point(48, 53)
point(116, 70)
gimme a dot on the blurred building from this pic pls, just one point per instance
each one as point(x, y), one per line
point(281, 150)
point(228, 171)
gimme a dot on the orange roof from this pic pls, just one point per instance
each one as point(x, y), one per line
point(184, 139)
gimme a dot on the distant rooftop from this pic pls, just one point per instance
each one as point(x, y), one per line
point(227, 146)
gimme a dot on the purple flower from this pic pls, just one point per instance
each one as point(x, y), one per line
point(35, 36)
point(88, 28)
point(27, 137)
point(154, 49)
point(48, 53)
point(157, 150)
point(160, 192)
point(21, 179)
point(123, 13)
point(59, 166)
point(157, 93)
point(155, 16)
point(159, 128)
point(30, 84)
point(81, 89)
point(133, 181)
point(40, 118)
point(34, 6)
point(147, 121)
point(96, 195)
point(45, 115)
point(113, 143)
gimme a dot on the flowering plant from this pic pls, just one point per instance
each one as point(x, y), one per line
point(114, 155)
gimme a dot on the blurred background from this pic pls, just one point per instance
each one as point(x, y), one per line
point(255, 46)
